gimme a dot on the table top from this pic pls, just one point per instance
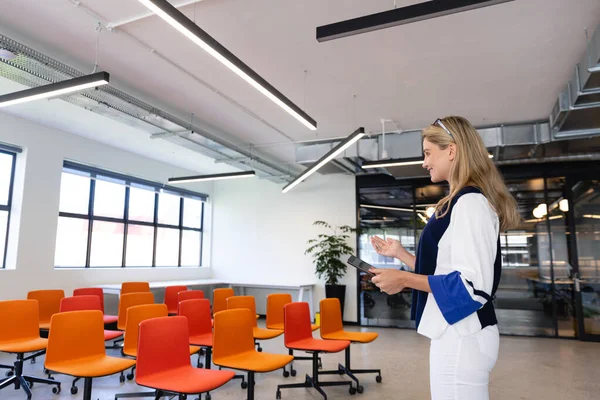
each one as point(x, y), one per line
point(115, 288)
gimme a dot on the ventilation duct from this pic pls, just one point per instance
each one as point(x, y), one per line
point(576, 112)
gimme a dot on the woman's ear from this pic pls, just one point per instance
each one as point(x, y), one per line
point(451, 151)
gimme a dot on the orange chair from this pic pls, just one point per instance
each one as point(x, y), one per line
point(220, 296)
point(20, 334)
point(298, 336)
point(249, 303)
point(171, 297)
point(275, 305)
point(108, 319)
point(49, 301)
point(129, 300)
point(135, 315)
point(332, 328)
point(166, 367)
point(197, 311)
point(76, 348)
point(233, 346)
point(134, 287)
point(86, 302)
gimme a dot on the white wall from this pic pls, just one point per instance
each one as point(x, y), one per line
point(30, 257)
point(260, 234)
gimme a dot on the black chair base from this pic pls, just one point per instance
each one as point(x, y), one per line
point(292, 371)
point(347, 370)
point(313, 381)
point(25, 382)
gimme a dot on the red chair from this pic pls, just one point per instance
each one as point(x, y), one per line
point(171, 297)
point(197, 312)
point(108, 319)
point(189, 295)
point(298, 336)
point(163, 360)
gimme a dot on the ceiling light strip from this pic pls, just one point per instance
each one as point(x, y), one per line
point(214, 177)
point(185, 26)
point(398, 163)
point(386, 208)
point(343, 145)
point(55, 89)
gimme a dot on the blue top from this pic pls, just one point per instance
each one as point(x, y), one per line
point(452, 297)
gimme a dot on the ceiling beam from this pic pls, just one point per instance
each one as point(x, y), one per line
point(399, 16)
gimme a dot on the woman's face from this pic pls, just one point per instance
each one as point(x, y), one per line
point(437, 161)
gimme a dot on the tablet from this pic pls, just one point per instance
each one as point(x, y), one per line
point(360, 264)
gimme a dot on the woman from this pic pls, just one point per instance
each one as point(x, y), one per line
point(457, 266)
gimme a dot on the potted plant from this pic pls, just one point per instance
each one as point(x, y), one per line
point(327, 249)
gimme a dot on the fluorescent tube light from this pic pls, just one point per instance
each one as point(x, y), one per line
point(386, 208)
point(398, 163)
point(343, 145)
point(215, 177)
point(55, 89)
point(185, 26)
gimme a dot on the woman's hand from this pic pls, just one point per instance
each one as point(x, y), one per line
point(388, 248)
point(390, 281)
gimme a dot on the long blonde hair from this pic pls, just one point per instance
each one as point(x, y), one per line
point(472, 167)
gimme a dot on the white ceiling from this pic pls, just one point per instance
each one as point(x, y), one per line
point(499, 64)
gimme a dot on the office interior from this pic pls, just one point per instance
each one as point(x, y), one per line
point(192, 144)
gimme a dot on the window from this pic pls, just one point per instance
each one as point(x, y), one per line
point(7, 172)
point(108, 220)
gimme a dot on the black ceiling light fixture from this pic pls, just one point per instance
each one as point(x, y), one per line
point(213, 177)
point(400, 16)
point(189, 29)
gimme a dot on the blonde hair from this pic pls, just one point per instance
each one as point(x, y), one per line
point(472, 167)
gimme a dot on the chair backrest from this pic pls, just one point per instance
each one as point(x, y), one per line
point(220, 296)
point(163, 346)
point(233, 333)
point(189, 295)
point(197, 312)
point(49, 301)
point(130, 300)
point(134, 287)
point(135, 315)
point(75, 335)
point(20, 320)
point(243, 302)
point(331, 316)
point(275, 303)
point(171, 296)
point(297, 322)
point(79, 303)
point(91, 292)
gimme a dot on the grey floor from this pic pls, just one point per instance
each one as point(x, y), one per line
point(528, 368)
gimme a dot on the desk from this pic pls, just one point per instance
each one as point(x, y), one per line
point(305, 290)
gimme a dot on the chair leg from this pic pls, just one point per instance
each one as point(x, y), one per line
point(250, 385)
point(87, 389)
point(347, 369)
point(154, 394)
point(24, 382)
point(7, 382)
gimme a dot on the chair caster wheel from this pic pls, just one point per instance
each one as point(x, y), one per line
point(129, 377)
point(200, 365)
point(207, 397)
point(285, 374)
point(360, 389)
point(122, 378)
point(74, 390)
point(29, 383)
point(9, 373)
point(278, 395)
point(378, 378)
point(260, 349)
point(56, 390)
point(33, 360)
point(244, 385)
point(352, 390)
point(293, 372)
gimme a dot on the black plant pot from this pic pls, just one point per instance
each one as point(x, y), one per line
point(337, 292)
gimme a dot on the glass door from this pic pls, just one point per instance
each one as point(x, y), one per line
point(586, 226)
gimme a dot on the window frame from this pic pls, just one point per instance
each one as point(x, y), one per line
point(8, 206)
point(129, 181)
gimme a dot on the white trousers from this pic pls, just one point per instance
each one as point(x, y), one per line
point(459, 367)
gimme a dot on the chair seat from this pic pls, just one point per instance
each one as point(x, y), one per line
point(133, 352)
point(110, 335)
point(255, 361)
point(91, 367)
point(202, 340)
point(264, 334)
point(357, 337)
point(110, 319)
point(328, 346)
point(187, 380)
point(24, 346)
point(313, 327)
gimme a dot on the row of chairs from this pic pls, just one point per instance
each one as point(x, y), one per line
point(200, 335)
